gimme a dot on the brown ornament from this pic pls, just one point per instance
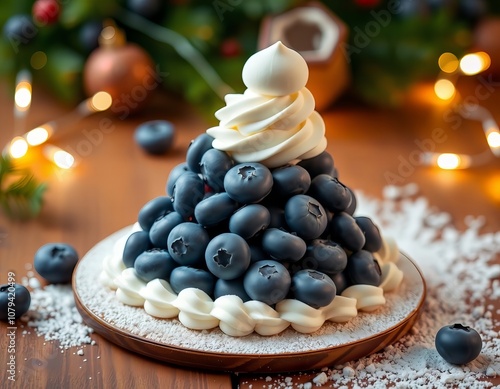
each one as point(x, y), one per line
point(124, 70)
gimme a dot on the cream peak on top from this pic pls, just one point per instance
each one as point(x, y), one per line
point(275, 71)
point(273, 122)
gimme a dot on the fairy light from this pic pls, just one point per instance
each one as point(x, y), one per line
point(444, 89)
point(448, 62)
point(18, 147)
point(39, 135)
point(446, 161)
point(23, 92)
point(59, 157)
point(493, 139)
point(100, 102)
point(474, 63)
point(452, 161)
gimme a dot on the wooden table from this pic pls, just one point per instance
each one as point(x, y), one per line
point(114, 178)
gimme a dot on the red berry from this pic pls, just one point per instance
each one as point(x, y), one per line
point(46, 11)
point(230, 48)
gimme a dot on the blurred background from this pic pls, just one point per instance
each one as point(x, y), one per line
point(388, 46)
point(88, 56)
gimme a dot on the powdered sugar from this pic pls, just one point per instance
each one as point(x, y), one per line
point(53, 315)
point(459, 273)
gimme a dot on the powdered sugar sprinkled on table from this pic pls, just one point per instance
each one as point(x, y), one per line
point(459, 272)
point(54, 316)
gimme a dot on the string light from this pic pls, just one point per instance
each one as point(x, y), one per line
point(493, 139)
point(474, 63)
point(448, 62)
point(39, 135)
point(22, 94)
point(99, 102)
point(18, 147)
point(444, 89)
point(59, 157)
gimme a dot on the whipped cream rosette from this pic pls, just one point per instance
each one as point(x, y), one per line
point(273, 122)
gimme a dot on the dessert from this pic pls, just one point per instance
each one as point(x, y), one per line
point(256, 233)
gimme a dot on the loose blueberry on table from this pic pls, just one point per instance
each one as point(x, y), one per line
point(155, 137)
point(13, 296)
point(55, 262)
point(458, 344)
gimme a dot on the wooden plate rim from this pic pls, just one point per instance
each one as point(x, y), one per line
point(101, 326)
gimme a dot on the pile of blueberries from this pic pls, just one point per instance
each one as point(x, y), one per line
point(258, 233)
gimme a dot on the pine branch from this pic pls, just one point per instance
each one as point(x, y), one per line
point(21, 195)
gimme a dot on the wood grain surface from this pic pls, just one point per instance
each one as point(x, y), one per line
point(114, 178)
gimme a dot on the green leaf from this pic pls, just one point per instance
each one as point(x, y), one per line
point(21, 196)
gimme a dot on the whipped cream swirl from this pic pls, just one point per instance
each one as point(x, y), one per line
point(196, 310)
point(273, 122)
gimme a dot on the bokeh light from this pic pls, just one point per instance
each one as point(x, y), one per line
point(444, 89)
point(448, 62)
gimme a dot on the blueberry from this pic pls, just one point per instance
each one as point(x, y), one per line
point(330, 192)
point(372, 234)
point(352, 206)
point(267, 281)
point(249, 220)
point(290, 180)
point(282, 245)
point(158, 234)
point(187, 243)
point(215, 209)
point(183, 277)
point(155, 137)
point(55, 262)
point(321, 164)
point(345, 230)
point(188, 191)
point(155, 263)
point(136, 244)
point(153, 210)
point(19, 29)
point(195, 151)
point(325, 256)
point(230, 287)
point(13, 296)
point(175, 173)
point(362, 268)
point(257, 253)
point(458, 344)
point(248, 183)
point(313, 288)
point(214, 166)
point(340, 280)
point(227, 256)
point(305, 216)
point(278, 219)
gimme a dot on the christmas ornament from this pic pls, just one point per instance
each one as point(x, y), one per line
point(19, 30)
point(149, 9)
point(367, 3)
point(45, 12)
point(230, 48)
point(124, 70)
point(88, 35)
